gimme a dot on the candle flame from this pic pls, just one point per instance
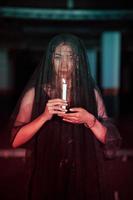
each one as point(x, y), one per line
point(63, 80)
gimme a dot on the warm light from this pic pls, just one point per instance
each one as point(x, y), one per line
point(64, 89)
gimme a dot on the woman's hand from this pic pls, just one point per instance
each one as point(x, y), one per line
point(55, 106)
point(78, 116)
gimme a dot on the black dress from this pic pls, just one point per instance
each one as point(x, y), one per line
point(67, 161)
point(64, 160)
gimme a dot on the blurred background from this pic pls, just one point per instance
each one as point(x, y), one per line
point(106, 28)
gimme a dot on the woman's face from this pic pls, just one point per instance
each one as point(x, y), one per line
point(63, 60)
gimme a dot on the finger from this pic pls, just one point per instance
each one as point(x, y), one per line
point(59, 105)
point(71, 115)
point(75, 109)
point(56, 112)
point(71, 121)
point(61, 114)
point(57, 108)
point(67, 120)
point(57, 101)
point(70, 118)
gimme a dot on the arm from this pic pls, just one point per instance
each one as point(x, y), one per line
point(28, 131)
point(103, 128)
point(98, 128)
point(112, 138)
point(29, 128)
point(82, 116)
point(24, 129)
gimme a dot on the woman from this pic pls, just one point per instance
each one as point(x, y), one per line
point(63, 122)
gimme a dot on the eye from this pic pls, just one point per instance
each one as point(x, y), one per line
point(70, 57)
point(57, 57)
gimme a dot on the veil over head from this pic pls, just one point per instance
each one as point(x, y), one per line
point(80, 85)
point(47, 81)
point(63, 155)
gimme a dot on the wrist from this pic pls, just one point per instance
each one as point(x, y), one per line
point(90, 124)
point(44, 117)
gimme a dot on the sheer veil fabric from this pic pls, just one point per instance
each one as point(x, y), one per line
point(64, 160)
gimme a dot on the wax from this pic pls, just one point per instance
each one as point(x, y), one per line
point(64, 89)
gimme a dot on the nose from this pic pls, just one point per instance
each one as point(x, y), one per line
point(64, 62)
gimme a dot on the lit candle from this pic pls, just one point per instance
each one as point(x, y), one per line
point(64, 89)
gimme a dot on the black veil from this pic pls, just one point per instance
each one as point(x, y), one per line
point(82, 89)
point(63, 159)
point(45, 82)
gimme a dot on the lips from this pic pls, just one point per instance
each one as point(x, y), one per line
point(63, 71)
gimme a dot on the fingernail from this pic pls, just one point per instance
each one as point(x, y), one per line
point(64, 111)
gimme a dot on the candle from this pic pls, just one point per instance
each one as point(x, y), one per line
point(64, 89)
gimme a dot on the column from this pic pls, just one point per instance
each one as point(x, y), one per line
point(6, 73)
point(110, 70)
point(6, 84)
point(92, 57)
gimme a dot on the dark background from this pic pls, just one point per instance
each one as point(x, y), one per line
point(25, 38)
